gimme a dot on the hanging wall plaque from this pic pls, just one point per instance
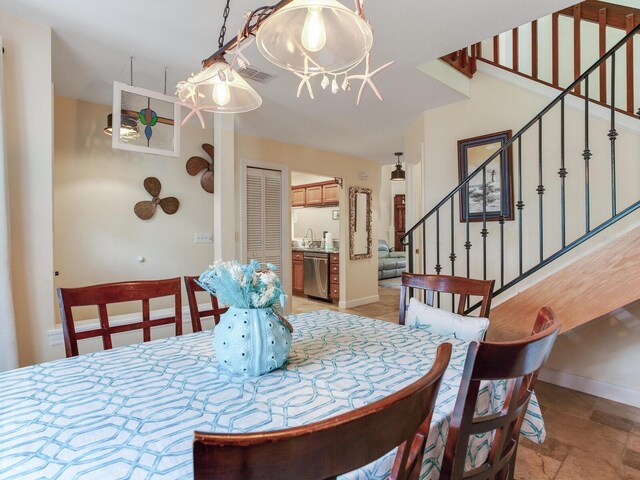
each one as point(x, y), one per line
point(150, 121)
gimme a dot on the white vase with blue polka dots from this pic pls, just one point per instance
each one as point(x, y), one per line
point(251, 341)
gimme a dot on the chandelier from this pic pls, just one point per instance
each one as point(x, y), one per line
point(316, 40)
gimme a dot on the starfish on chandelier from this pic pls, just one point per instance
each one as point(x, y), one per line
point(238, 56)
point(367, 77)
point(195, 110)
point(305, 79)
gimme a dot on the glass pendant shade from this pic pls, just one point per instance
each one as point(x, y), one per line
point(313, 36)
point(219, 88)
point(128, 127)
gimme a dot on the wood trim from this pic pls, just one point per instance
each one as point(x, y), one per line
point(630, 23)
point(602, 40)
point(496, 48)
point(616, 14)
point(555, 49)
point(534, 49)
point(577, 15)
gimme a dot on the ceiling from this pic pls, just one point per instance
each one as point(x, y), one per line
point(92, 43)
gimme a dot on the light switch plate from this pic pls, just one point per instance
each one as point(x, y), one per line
point(203, 237)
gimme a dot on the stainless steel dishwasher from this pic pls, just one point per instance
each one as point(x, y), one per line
point(316, 274)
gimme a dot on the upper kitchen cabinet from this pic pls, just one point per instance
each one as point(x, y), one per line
point(298, 197)
point(321, 194)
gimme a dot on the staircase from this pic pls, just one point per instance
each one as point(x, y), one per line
point(561, 163)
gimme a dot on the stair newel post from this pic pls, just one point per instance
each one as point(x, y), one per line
point(411, 253)
point(452, 255)
point(484, 232)
point(563, 175)
point(612, 135)
point(540, 191)
point(586, 155)
point(520, 205)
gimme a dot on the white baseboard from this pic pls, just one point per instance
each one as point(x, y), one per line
point(610, 391)
point(359, 301)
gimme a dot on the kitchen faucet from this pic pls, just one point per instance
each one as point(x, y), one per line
point(305, 236)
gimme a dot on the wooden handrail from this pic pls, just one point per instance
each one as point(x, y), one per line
point(616, 14)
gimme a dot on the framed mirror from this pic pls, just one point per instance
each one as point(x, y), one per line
point(359, 223)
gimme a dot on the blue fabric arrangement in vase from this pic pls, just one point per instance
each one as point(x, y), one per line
point(252, 337)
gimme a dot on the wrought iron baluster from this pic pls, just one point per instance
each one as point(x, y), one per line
point(563, 175)
point(520, 204)
point(540, 191)
point(484, 232)
point(438, 266)
point(424, 247)
point(467, 244)
point(501, 220)
point(586, 154)
point(452, 255)
point(410, 252)
point(612, 135)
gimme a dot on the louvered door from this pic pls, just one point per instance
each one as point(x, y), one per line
point(263, 227)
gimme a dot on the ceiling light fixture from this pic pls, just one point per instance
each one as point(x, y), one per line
point(128, 127)
point(398, 174)
point(310, 38)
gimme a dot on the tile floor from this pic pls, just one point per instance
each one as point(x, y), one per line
point(588, 438)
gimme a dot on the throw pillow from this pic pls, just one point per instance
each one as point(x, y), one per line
point(448, 324)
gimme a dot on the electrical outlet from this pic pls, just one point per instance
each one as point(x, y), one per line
point(203, 237)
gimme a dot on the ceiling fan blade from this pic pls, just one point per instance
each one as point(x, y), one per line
point(195, 165)
point(206, 181)
point(152, 185)
point(169, 205)
point(207, 147)
point(145, 209)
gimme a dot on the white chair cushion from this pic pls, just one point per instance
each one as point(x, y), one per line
point(448, 324)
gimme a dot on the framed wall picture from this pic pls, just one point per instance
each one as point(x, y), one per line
point(149, 121)
point(492, 191)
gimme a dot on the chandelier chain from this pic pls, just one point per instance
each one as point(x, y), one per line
point(223, 30)
point(131, 69)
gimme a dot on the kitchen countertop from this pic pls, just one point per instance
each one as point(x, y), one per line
point(315, 250)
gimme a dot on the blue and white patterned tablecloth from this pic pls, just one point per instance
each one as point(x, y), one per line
point(130, 413)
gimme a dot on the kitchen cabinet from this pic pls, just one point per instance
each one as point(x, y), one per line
point(298, 273)
point(314, 196)
point(330, 194)
point(334, 277)
point(298, 198)
point(322, 194)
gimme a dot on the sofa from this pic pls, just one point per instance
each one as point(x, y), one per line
point(390, 264)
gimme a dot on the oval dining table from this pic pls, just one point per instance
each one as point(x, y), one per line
point(130, 412)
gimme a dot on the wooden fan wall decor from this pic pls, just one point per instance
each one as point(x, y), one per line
point(196, 165)
point(146, 208)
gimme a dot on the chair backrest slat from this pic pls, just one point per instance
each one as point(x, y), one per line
point(108, 293)
point(333, 446)
point(516, 362)
point(196, 315)
point(432, 284)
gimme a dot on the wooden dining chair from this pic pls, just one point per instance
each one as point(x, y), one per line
point(434, 284)
point(196, 315)
point(519, 363)
point(109, 293)
point(333, 446)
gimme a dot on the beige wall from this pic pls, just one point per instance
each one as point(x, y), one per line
point(317, 219)
point(359, 278)
point(28, 106)
point(388, 190)
point(497, 105)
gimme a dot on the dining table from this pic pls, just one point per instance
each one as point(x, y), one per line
point(130, 412)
